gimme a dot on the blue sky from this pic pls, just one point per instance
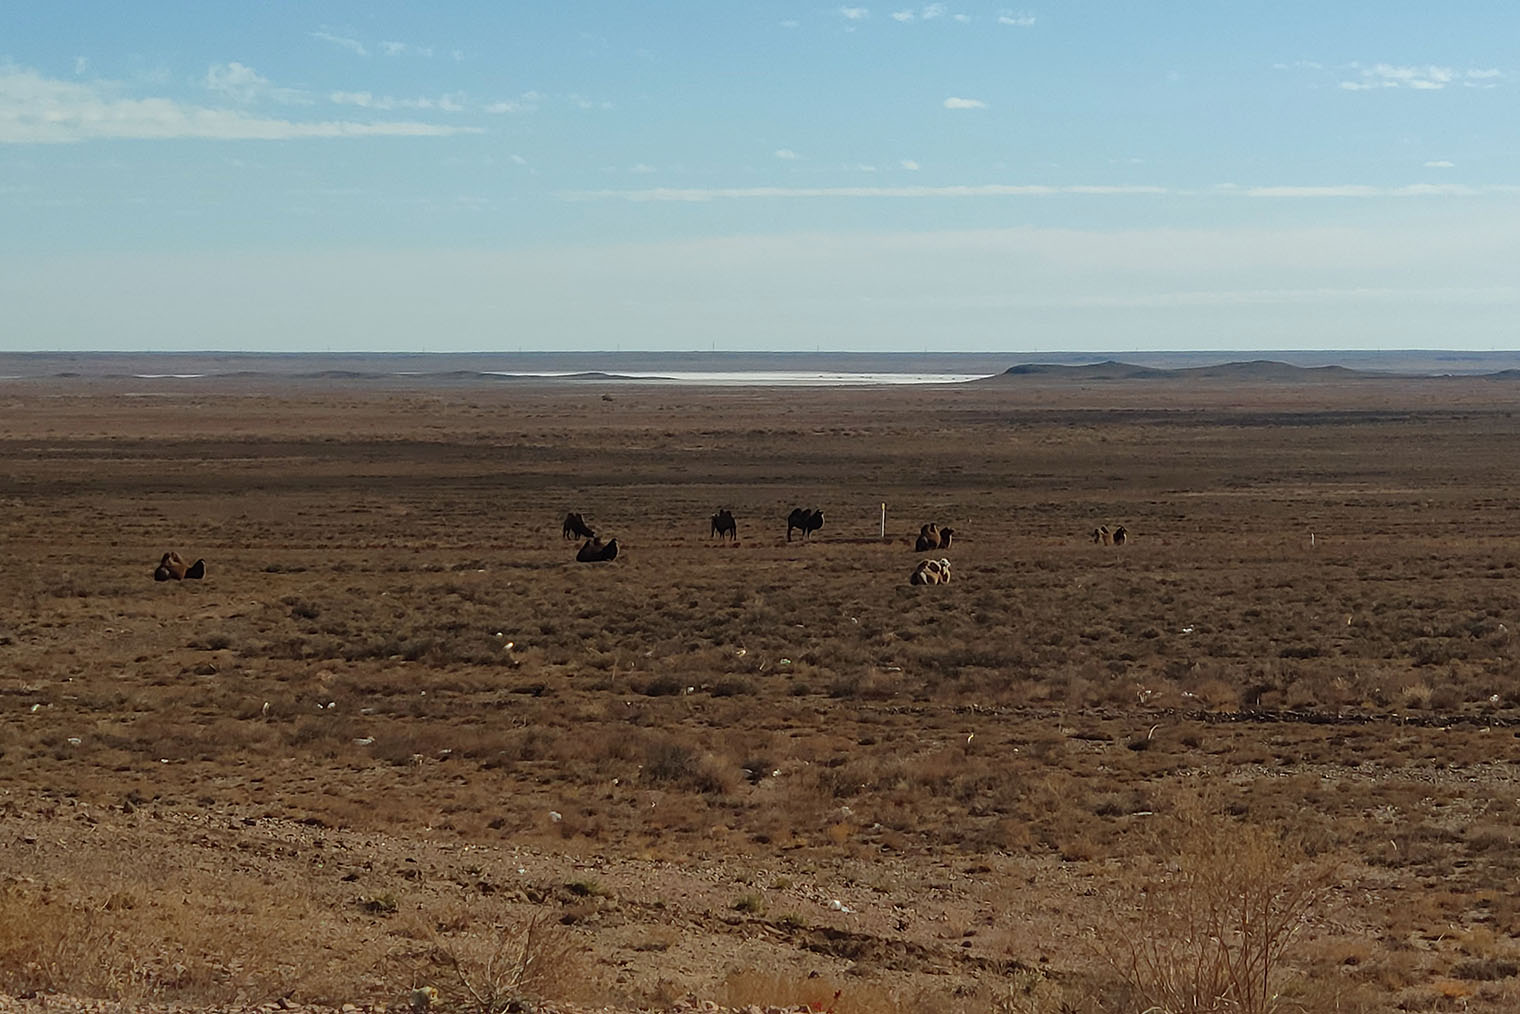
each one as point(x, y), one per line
point(577, 175)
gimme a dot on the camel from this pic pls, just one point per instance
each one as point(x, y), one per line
point(724, 526)
point(930, 572)
point(1106, 536)
point(932, 536)
point(595, 551)
point(805, 520)
point(174, 568)
point(576, 527)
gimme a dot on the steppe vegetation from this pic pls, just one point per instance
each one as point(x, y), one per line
point(1260, 757)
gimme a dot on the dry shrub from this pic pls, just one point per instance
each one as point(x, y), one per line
point(130, 943)
point(496, 969)
point(1212, 925)
point(52, 948)
point(668, 761)
point(744, 987)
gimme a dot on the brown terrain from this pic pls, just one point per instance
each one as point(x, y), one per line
point(1260, 757)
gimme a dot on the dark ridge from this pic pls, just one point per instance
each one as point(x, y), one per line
point(1107, 370)
point(342, 375)
point(1268, 369)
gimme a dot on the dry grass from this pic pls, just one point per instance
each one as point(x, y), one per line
point(496, 970)
point(1209, 926)
point(391, 641)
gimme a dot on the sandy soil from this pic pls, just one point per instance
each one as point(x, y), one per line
point(397, 723)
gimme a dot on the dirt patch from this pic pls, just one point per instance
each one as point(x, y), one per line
point(396, 726)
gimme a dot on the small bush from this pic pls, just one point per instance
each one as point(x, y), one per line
point(491, 976)
point(749, 904)
point(1213, 925)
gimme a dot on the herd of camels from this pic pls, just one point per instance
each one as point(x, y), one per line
point(931, 536)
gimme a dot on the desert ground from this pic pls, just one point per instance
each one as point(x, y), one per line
point(1262, 755)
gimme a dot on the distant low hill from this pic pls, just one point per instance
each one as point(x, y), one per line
point(1259, 371)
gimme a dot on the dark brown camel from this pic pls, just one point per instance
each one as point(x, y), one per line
point(595, 551)
point(805, 520)
point(932, 536)
point(576, 527)
point(724, 526)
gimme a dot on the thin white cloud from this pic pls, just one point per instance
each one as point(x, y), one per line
point(1365, 191)
point(786, 154)
point(929, 12)
point(854, 13)
point(404, 48)
point(81, 65)
point(527, 102)
point(1429, 77)
point(517, 160)
point(236, 81)
point(1017, 19)
point(791, 23)
point(909, 165)
point(342, 42)
point(242, 83)
point(749, 193)
point(993, 190)
point(956, 102)
point(39, 110)
point(1440, 164)
point(451, 103)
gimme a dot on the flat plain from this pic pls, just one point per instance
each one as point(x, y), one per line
point(398, 738)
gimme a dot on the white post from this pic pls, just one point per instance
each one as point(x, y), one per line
point(883, 521)
point(1311, 540)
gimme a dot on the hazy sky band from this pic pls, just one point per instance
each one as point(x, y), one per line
point(588, 175)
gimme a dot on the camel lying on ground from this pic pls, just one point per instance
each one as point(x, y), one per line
point(1105, 536)
point(595, 551)
point(174, 568)
point(932, 536)
point(931, 572)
